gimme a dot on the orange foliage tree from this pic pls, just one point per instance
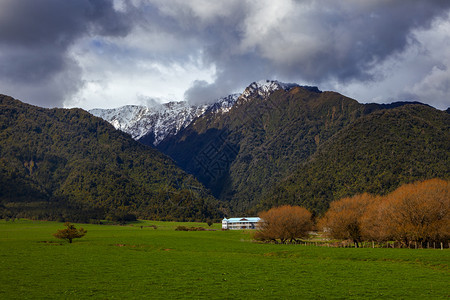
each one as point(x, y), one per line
point(284, 223)
point(342, 220)
point(373, 222)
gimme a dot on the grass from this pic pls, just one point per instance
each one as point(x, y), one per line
point(116, 262)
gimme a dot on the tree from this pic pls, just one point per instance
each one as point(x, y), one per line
point(70, 232)
point(414, 212)
point(343, 219)
point(284, 223)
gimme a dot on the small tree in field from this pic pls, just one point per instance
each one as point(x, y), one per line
point(284, 223)
point(70, 233)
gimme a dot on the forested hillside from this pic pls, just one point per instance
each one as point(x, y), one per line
point(68, 164)
point(375, 154)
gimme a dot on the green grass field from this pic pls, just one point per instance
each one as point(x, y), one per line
point(117, 262)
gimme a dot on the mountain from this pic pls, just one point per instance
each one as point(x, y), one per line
point(272, 144)
point(246, 154)
point(68, 164)
point(152, 124)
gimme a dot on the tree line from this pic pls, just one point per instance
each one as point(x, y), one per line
point(413, 213)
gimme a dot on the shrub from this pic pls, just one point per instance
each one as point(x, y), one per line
point(182, 228)
point(70, 233)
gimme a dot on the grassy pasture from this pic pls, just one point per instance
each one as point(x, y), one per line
point(117, 262)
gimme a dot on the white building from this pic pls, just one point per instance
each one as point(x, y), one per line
point(240, 223)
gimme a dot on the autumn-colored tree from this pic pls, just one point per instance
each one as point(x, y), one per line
point(414, 212)
point(70, 232)
point(284, 223)
point(342, 220)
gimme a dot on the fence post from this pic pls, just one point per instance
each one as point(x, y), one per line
point(442, 246)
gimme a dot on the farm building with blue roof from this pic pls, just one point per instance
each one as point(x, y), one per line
point(240, 223)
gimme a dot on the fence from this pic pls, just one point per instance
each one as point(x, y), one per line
point(374, 244)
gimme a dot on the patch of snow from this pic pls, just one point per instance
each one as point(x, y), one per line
point(161, 120)
point(265, 88)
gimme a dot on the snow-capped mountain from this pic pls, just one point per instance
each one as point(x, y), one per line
point(157, 121)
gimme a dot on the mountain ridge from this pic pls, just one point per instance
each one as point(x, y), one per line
point(153, 123)
point(68, 164)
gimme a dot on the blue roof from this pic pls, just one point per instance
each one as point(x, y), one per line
point(242, 219)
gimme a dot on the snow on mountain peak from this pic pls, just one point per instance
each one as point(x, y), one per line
point(161, 120)
point(223, 105)
point(264, 88)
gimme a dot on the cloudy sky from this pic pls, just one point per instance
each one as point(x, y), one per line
point(109, 53)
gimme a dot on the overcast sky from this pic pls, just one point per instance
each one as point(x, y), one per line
point(105, 54)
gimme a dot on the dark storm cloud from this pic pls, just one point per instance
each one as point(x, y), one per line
point(35, 36)
point(314, 41)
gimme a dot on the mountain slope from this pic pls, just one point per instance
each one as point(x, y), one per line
point(375, 154)
point(59, 163)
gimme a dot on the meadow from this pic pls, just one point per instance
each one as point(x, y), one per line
point(117, 262)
